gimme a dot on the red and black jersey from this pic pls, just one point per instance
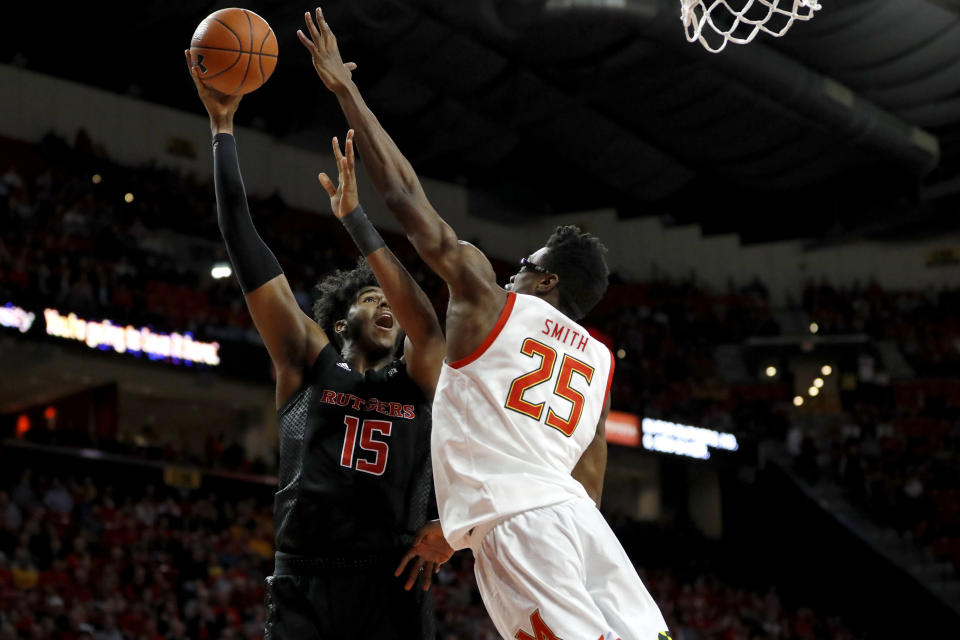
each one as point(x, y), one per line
point(355, 474)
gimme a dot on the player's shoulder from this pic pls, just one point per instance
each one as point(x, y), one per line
point(530, 305)
point(328, 361)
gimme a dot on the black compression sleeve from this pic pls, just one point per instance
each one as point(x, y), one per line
point(252, 260)
point(362, 231)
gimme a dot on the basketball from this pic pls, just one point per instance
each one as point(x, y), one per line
point(235, 50)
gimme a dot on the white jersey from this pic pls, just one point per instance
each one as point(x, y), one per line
point(511, 420)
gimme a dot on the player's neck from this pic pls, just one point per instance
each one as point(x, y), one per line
point(552, 296)
point(361, 361)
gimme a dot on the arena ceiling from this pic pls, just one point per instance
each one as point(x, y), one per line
point(847, 127)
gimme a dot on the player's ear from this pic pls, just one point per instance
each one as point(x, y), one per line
point(547, 283)
point(340, 326)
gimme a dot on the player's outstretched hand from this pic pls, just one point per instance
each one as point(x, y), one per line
point(220, 106)
point(343, 196)
point(429, 551)
point(322, 45)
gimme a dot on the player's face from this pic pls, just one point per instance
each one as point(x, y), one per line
point(372, 321)
point(531, 272)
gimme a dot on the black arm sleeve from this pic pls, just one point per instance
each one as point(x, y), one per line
point(252, 260)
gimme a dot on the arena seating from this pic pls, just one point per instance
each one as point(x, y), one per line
point(77, 244)
point(82, 559)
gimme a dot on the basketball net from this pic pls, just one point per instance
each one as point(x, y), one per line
point(715, 23)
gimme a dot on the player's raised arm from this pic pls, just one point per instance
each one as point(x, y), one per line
point(292, 338)
point(425, 348)
point(459, 264)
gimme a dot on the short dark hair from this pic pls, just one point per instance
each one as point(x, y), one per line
point(578, 260)
point(336, 293)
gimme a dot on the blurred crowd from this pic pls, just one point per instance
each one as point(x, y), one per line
point(72, 241)
point(665, 335)
point(925, 325)
point(85, 234)
point(896, 453)
point(81, 560)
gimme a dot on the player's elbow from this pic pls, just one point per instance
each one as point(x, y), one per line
point(439, 248)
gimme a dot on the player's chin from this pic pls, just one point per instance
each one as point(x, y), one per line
point(386, 338)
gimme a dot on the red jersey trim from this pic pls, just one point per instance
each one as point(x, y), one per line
point(497, 328)
point(613, 362)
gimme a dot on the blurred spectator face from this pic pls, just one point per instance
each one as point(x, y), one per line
point(81, 576)
point(21, 557)
point(55, 605)
point(78, 617)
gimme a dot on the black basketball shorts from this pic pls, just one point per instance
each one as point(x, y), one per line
point(354, 603)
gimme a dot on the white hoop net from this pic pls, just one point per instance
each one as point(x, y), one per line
point(715, 23)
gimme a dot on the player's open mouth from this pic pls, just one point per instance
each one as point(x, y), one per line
point(384, 321)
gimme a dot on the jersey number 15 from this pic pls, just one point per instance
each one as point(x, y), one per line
point(379, 448)
point(548, 360)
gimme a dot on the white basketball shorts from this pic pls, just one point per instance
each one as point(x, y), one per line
point(559, 573)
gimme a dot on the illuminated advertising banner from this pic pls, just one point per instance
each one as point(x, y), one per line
point(685, 440)
point(623, 428)
point(13, 317)
point(105, 335)
point(666, 437)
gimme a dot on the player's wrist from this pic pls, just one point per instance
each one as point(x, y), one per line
point(344, 89)
point(221, 125)
point(364, 235)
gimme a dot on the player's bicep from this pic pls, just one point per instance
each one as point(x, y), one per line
point(292, 338)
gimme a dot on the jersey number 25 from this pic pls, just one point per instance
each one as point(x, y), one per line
point(548, 360)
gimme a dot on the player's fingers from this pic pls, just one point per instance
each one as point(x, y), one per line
point(322, 24)
point(350, 157)
point(312, 28)
point(194, 70)
point(336, 150)
point(191, 68)
point(414, 574)
point(351, 66)
point(404, 562)
point(307, 42)
point(327, 184)
point(428, 572)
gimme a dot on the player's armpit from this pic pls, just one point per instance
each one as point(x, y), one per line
point(292, 338)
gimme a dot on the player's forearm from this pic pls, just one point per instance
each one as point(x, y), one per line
point(591, 468)
point(393, 177)
point(411, 305)
point(408, 301)
point(253, 262)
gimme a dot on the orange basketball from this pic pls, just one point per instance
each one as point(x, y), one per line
point(235, 49)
